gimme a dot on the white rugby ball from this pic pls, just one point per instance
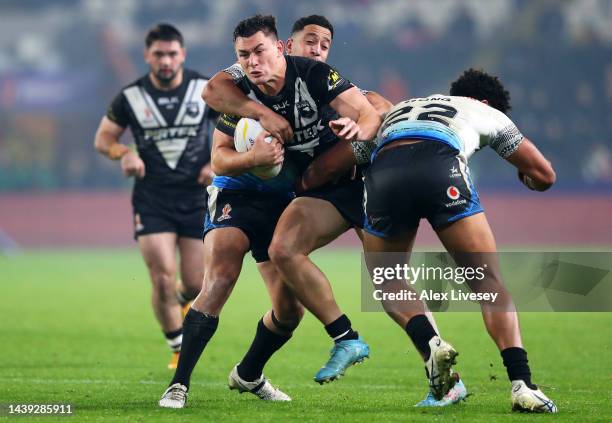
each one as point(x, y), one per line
point(244, 138)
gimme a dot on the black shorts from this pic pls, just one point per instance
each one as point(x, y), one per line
point(156, 211)
point(253, 212)
point(346, 197)
point(428, 180)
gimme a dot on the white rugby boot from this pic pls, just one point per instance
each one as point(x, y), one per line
point(260, 387)
point(439, 367)
point(529, 400)
point(174, 397)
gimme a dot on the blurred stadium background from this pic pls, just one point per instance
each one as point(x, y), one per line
point(77, 323)
point(61, 62)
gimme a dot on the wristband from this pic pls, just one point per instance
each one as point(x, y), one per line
point(363, 150)
point(117, 151)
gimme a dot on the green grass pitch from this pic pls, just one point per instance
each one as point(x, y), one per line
point(77, 328)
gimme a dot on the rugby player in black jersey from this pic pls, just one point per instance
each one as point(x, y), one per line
point(170, 124)
point(243, 209)
point(320, 215)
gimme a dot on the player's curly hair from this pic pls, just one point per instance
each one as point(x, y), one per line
point(318, 20)
point(250, 26)
point(482, 86)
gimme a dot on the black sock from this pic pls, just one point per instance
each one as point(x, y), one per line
point(198, 328)
point(420, 330)
point(264, 345)
point(341, 330)
point(517, 365)
point(174, 339)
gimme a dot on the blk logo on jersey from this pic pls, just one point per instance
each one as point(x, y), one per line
point(280, 106)
point(452, 192)
point(225, 213)
point(168, 102)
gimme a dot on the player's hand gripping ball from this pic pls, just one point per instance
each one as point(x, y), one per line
point(246, 132)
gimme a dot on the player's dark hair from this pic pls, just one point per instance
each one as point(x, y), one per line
point(250, 26)
point(163, 32)
point(318, 20)
point(482, 86)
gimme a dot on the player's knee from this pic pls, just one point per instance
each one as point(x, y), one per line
point(280, 252)
point(164, 283)
point(284, 247)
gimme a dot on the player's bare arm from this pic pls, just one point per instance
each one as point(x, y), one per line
point(363, 120)
point(340, 158)
point(227, 161)
point(380, 104)
point(107, 139)
point(222, 94)
point(107, 143)
point(535, 171)
point(329, 166)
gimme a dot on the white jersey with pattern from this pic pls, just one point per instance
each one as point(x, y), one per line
point(464, 123)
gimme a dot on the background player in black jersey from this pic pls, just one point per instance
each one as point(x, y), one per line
point(170, 124)
point(243, 209)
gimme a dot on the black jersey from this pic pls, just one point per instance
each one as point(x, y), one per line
point(304, 101)
point(171, 130)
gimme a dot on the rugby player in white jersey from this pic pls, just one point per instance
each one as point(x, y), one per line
point(419, 170)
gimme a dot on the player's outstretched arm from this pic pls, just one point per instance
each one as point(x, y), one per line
point(534, 170)
point(222, 94)
point(226, 161)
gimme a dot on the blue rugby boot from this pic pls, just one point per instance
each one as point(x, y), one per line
point(343, 355)
point(457, 393)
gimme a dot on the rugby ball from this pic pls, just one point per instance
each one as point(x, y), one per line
point(244, 138)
